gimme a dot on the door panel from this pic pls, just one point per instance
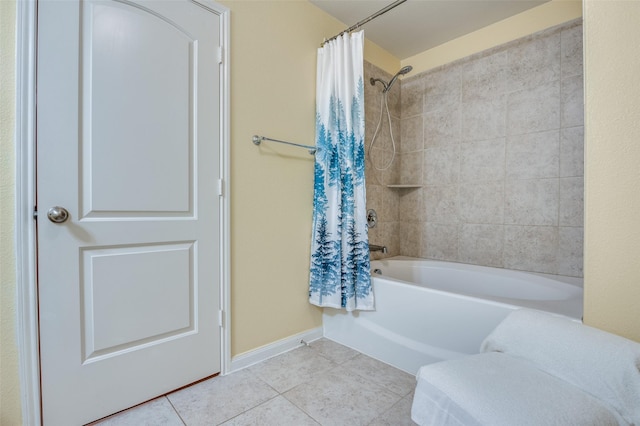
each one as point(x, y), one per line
point(129, 143)
point(146, 286)
point(116, 38)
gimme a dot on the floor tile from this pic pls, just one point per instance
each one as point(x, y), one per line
point(334, 351)
point(219, 399)
point(157, 412)
point(276, 412)
point(291, 369)
point(391, 378)
point(324, 384)
point(398, 415)
point(342, 397)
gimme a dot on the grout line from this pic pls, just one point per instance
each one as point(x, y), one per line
point(175, 410)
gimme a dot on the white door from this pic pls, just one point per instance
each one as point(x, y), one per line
point(128, 142)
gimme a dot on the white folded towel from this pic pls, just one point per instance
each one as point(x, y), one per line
point(494, 389)
point(602, 364)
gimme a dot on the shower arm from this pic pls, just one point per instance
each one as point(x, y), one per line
point(384, 83)
point(393, 80)
point(387, 86)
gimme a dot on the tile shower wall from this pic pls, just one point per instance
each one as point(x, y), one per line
point(495, 142)
point(379, 155)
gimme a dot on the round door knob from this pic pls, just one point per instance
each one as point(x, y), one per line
point(57, 214)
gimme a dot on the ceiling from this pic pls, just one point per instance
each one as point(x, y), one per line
point(419, 25)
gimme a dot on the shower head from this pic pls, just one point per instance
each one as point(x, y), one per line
point(403, 71)
point(387, 86)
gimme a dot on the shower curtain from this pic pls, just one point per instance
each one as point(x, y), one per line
point(340, 271)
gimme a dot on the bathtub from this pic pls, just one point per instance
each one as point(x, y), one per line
point(429, 311)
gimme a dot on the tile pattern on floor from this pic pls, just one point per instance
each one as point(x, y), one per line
point(324, 383)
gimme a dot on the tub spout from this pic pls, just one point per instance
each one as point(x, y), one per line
point(373, 247)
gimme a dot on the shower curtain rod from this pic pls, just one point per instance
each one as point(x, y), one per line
point(258, 139)
point(365, 20)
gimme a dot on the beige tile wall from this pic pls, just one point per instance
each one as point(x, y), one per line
point(496, 142)
point(384, 200)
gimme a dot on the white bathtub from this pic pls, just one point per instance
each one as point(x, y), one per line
point(428, 311)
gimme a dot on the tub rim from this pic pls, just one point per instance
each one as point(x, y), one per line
point(571, 307)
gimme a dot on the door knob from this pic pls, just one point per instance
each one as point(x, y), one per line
point(57, 214)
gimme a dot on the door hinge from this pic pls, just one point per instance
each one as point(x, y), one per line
point(220, 187)
point(221, 318)
point(35, 213)
point(220, 55)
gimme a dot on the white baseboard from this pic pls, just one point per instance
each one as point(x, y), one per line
point(273, 349)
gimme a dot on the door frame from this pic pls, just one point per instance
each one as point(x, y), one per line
point(25, 185)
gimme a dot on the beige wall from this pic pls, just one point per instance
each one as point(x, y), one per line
point(272, 94)
point(612, 169)
point(10, 412)
point(273, 69)
point(531, 21)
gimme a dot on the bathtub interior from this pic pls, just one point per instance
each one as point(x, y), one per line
point(479, 281)
point(416, 325)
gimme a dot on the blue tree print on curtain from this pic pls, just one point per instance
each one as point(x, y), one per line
point(340, 269)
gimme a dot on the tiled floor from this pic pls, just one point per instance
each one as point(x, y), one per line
point(321, 384)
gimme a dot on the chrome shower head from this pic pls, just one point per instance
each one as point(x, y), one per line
point(403, 71)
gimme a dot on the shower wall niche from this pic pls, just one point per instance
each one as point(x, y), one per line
point(493, 144)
